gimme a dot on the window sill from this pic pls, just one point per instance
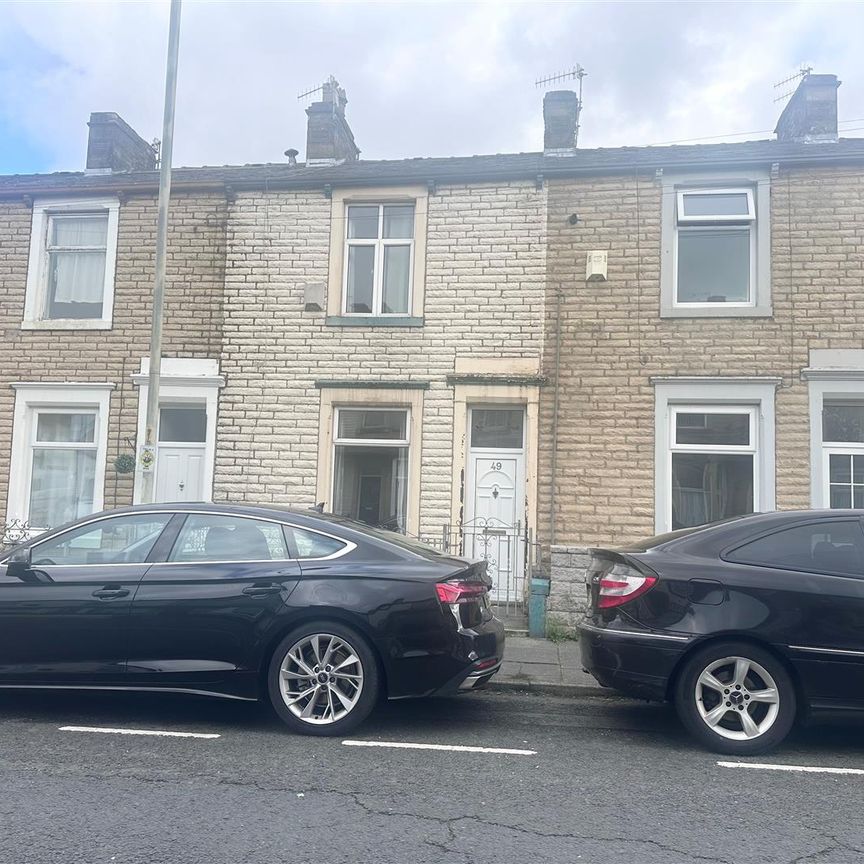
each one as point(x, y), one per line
point(67, 324)
point(719, 311)
point(374, 321)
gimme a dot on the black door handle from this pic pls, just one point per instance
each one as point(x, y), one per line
point(262, 590)
point(110, 593)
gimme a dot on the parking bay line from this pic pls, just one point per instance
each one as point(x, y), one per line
point(155, 732)
point(804, 769)
point(456, 748)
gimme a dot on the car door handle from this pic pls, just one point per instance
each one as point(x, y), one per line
point(262, 590)
point(110, 593)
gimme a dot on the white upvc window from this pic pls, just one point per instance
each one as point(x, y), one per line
point(842, 429)
point(714, 451)
point(59, 448)
point(379, 259)
point(370, 465)
point(70, 278)
point(715, 247)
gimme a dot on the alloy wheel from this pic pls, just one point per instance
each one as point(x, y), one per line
point(737, 698)
point(321, 678)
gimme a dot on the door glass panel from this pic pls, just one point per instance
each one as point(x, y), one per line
point(724, 429)
point(311, 544)
point(380, 425)
point(119, 540)
point(846, 479)
point(181, 425)
point(820, 547)
point(206, 537)
point(713, 265)
point(361, 276)
point(707, 487)
point(843, 421)
point(500, 428)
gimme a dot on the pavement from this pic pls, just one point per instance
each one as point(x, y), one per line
point(544, 666)
point(561, 780)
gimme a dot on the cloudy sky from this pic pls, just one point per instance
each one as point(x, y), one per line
point(423, 79)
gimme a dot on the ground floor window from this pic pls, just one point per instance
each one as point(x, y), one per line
point(370, 465)
point(714, 450)
point(712, 463)
point(843, 452)
point(58, 453)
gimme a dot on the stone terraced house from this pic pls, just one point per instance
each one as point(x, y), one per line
point(569, 347)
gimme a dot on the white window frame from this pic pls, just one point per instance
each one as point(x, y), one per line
point(373, 442)
point(37, 268)
point(30, 400)
point(714, 395)
point(379, 244)
point(825, 386)
point(675, 187)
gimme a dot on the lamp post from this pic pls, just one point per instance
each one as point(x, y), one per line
point(147, 454)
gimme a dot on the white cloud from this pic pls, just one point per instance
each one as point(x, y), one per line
point(422, 78)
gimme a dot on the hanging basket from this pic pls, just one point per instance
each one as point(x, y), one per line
point(124, 463)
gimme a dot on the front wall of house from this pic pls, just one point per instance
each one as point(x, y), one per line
point(192, 328)
point(614, 340)
point(484, 295)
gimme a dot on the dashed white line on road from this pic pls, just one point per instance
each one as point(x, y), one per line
point(804, 769)
point(457, 748)
point(157, 732)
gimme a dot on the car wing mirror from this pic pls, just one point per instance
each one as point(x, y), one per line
point(18, 563)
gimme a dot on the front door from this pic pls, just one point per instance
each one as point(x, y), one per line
point(180, 462)
point(495, 497)
point(65, 618)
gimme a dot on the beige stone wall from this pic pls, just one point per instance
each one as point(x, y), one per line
point(484, 295)
point(193, 316)
point(613, 339)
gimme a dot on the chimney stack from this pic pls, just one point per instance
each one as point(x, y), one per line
point(113, 145)
point(560, 121)
point(811, 114)
point(329, 140)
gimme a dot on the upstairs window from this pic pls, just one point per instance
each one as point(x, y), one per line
point(70, 283)
point(378, 262)
point(715, 247)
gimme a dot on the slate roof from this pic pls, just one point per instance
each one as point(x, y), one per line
point(453, 169)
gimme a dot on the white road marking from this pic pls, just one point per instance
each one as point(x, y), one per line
point(157, 732)
point(805, 769)
point(457, 748)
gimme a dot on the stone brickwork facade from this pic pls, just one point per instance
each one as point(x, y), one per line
point(614, 345)
point(193, 316)
point(484, 293)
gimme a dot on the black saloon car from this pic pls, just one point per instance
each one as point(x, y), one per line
point(745, 625)
point(316, 613)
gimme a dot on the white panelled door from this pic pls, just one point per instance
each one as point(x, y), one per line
point(495, 497)
point(180, 474)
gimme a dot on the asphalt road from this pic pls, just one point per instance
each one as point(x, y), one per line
point(612, 781)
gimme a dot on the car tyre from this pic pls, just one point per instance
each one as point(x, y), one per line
point(323, 679)
point(722, 682)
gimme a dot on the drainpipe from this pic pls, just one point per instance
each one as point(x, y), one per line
point(553, 480)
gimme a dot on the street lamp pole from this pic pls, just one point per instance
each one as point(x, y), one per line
point(147, 457)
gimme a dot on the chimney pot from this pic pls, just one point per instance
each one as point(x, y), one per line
point(810, 114)
point(113, 145)
point(560, 121)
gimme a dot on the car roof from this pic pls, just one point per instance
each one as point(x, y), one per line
point(717, 535)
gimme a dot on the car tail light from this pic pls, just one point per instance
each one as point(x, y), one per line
point(621, 584)
point(455, 592)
